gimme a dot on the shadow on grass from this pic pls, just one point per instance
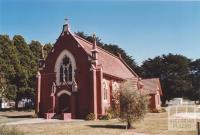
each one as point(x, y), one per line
point(13, 109)
point(108, 126)
point(18, 116)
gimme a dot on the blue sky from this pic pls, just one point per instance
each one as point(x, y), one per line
point(144, 29)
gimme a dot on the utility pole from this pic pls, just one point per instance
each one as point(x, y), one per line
point(198, 128)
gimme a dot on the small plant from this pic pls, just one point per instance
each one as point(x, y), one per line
point(154, 111)
point(34, 116)
point(90, 116)
point(158, 110)
point(114, 113)
point(105, 117)
point(163, 109)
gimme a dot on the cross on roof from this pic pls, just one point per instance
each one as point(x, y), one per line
point(66, 21)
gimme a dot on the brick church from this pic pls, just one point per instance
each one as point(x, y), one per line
point(78, 77)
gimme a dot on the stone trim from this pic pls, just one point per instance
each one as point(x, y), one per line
point(64, 92)
point(58, 63)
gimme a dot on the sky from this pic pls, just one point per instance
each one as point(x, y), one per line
point(144, 29)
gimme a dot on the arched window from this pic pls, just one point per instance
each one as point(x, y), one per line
point(105, 90)
point(65, 67)
point(115, 86)
point(61, 74)
point(66, 70)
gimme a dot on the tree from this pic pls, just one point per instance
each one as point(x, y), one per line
point(90, 38)
point(24, 78)
point(3, 85)
point(133, 103)
point(9, 65)
point(173, 71)
point(195, 77)
point(7, 90)
point(9, 61)
point(36, 49)
point(47, 49)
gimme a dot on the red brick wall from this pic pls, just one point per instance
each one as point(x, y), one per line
point(82, 76)
point(154, 101)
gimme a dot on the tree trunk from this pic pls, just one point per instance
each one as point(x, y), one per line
point(16, 104)
point(129, 125)
point(163, 101)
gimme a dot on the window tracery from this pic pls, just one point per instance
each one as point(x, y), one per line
point(66, 70)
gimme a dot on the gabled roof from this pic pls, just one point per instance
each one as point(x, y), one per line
point(152, 85)
point(111, 64)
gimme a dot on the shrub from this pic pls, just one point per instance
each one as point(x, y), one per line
point(113, 112)
point(163, 109)
point(90, 116)
point(10, 131)
point(155, 111)
point(34, 116)
point(133, 103)
point(105, 117)
point(114, 109)
point(158, 110)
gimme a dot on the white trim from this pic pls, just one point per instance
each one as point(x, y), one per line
point(64, 92)
point(59, 61)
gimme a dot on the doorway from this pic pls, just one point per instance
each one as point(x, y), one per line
point(64, 104)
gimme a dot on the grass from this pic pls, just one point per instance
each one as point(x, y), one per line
point(11, 116)
point(10, 131)
point(153, 124)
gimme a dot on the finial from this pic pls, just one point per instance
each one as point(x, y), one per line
point(119, 55)
point(74, 86)
point(94, 35)
point(66, 21)
point(95, 43)
point(94, 51)
point(66, 26)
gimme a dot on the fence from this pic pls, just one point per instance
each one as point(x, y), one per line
point(183, 117)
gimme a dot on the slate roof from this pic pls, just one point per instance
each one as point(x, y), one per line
point(151, 86)
point(111, 64)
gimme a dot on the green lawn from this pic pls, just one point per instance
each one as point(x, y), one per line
point(153, 124)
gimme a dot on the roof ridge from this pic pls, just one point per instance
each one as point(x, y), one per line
point(107, 52)
point(150, 79)
point(97, 46)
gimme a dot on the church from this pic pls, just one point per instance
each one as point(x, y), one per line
point(79, 77)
